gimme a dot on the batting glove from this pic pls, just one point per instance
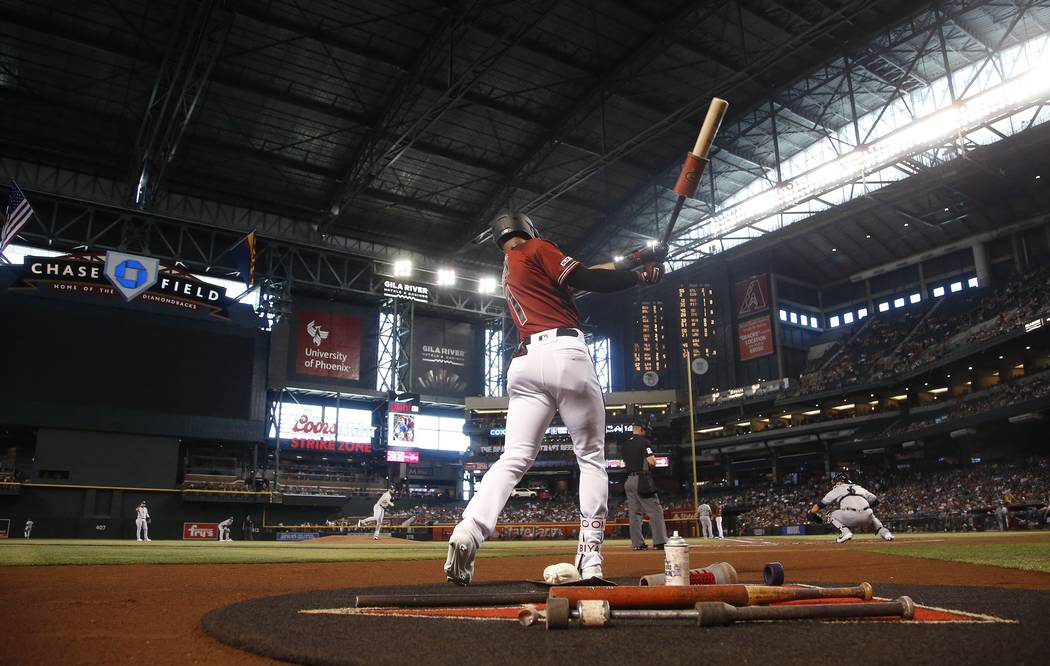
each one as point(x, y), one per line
point(651, 273)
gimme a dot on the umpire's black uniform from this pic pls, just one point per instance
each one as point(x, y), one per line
point(636, 453)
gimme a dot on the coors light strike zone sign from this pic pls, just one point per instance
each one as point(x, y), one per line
point(328, 345)
point(324, 436)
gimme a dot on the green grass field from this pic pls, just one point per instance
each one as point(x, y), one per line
point(1024, 554)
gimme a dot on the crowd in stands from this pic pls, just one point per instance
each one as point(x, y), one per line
point(880, 335)
point(975, 318)
point(953, 497)
point(996, 397)
point(898, 342)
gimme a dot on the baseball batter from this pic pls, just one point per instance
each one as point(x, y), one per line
point(224, 529)
point(386, 500)
point(551, 372)
point(142, 522)
point(853, 508)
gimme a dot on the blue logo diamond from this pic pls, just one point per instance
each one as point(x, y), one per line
point(131, 274)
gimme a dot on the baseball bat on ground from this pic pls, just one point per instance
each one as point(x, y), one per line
point(696, 160)
point(687, 596)
point(591, 613)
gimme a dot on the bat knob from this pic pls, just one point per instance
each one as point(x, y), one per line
point(907, 607)
point(867, 591)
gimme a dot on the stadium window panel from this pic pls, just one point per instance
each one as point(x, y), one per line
point(956, 286)
point(814, 322)
point(884, 307)
point(783, 315)
point(938, 292)
point(847, 318)
point(915, 298)
point(862, 313)
point(804, 319)
point(972, 283)
point(794, 317)
point(834, 322)
point(898, 302)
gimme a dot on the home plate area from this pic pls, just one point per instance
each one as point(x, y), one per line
point(963, 624)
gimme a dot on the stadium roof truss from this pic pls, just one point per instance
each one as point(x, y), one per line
point(351, 135)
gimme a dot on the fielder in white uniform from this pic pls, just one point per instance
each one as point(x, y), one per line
point(224, 529)
point(386, 501)
point(703, 512)
point(552, 371)
point(142, 522)
point(28, 529)
point(852, 508)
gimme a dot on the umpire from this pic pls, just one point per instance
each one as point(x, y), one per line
point(638, 459)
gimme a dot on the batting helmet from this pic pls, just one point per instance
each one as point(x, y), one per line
point(512, 224)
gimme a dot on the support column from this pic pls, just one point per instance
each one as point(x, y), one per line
point(980, 262)
point(774, 307)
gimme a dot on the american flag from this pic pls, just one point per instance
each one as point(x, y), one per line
point(16, 213)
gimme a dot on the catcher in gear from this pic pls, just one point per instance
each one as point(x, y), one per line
point(853, 508)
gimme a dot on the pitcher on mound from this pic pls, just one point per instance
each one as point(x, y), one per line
point(551, 372)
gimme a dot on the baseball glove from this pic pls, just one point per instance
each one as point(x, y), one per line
point(815, 517)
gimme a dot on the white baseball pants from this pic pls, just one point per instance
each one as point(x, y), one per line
point(141, 529)
point(224, 533)
point(846, 518)
point(705, 523)
point(718, 525)
point(556, 374)
point(377, 518)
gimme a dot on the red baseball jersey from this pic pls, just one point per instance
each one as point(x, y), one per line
point(534, 275)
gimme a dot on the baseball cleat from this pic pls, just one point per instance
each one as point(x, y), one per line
point(594, 571)
point(844, 537)
point(886, 534)
point(642, 547)
point(459, 565)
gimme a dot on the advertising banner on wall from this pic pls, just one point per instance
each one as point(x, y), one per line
point(328, 344)
point(445, 358)
point(200, 531)
point(752, 296)
point(756, 338)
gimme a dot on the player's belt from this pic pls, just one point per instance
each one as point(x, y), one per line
point(543, 335)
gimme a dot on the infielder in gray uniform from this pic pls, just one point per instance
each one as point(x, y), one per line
point(385, 501)
point(703, 512)
point(638, 459)
point(852, 508)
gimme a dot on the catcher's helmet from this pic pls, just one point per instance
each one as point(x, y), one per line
point(842, 476)
point(509, 224)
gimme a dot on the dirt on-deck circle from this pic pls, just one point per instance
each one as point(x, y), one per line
point(152, 613)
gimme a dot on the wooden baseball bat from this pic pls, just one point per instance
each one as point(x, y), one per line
point(696, 160)
point(558, 615)
point(687, 596)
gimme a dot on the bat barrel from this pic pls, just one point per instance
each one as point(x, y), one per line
point(716, 614)
point(715, 112)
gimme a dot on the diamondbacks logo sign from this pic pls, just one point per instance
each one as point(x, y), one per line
point(752, 296)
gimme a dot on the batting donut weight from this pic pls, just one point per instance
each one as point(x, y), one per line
point(773, 573)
